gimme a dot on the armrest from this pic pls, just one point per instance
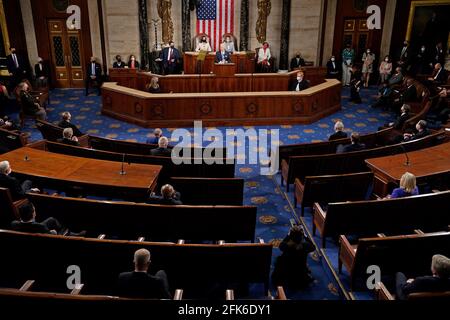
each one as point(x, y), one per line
point(27, 285)
point(221, 242)
point(84, 141)
point(101, 237)
point(229, 295)
point(141, 239)
point(382, 293)
point(261, 241)
point(381, 235)
point(418, 231)
point(77, 290)
point(345, 244)
point(178, 295)
point(281, 295)
point(181, 241)
point(319, 210)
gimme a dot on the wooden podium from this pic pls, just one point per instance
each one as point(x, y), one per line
point(224, 69)
point(124, 77)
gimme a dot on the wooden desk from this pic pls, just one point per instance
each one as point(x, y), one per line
point(427, 165)
point(221, 109)
point(124, 77)
point(244, 63)
point(224, 69)
point(97, 176)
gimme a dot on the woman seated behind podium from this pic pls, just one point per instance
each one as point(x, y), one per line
point(407, 188)
point(203, 45)
point(263, 57)
point(153, 86)
point(133, 63)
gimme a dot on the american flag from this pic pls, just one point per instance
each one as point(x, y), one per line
point(215, 18)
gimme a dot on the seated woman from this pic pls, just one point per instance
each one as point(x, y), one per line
point(438, 282)
point(263, 58)
point(229, 45)
point(203, 45)
point(133, 63)
point(300, 83)
point(153, 86)
point(407, 188)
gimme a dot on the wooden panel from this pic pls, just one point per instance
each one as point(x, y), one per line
point(243, 63)
point(217, 109)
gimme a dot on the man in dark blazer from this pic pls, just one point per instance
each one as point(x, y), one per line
point(300, 83)
point(94, 75)
point(17, 67)
point(29, 103)
point(119, 64)
point(356, 145)
point(139, 284)
point(157, 134)
point(65, 123)
point(18, 189)
point(222, 56)
point(68, 138)
point(408, 95)
point(171, 59)
point(400, 121)
point(421, 132)
point(162, 150)
point(438, 282)
point(168, 197)
point(27, 222)
point(339, 132)
point(297, 62)
point(333, 71)
point(42, 73)
point(439, 76)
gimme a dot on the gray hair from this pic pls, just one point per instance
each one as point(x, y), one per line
point(141, 258)
point(4, 166)
point(339, 126)
point(441, 265)
point(163, 142)
point(157, 132)
point(68, 133)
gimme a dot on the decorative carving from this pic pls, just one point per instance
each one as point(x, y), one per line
point(264, 8)
point(243, 44)
point(165, 13)
point(299, 107)
point(252, 108)
point(107, 101)
point(158, 112)
point(315, 105)
point(205, 109)
point(138, 108)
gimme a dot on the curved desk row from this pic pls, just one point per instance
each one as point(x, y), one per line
point(221, 109)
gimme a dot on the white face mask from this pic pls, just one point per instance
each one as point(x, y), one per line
point(387, 60)
point(422, 49)
point(333, 59)
point(299, 78)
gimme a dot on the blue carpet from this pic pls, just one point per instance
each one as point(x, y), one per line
point(274, 210)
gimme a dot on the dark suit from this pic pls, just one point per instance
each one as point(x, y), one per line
point(410, 94)
point(142, 285)
point(30, 106)
point(153, 140)
point(420, 284)
point(97, 74)
point(19, 73)
point(44, 72)
point(420, 135)
point(302, 85)
point(333, 70)
point(225, 57)
point(154, 199)
point(441, 77)
point(65, 124)
point(116, 65)
point(351, 148)
point(161, 152)
point(400, 121)
point(170, 64)
point(297, 63)
point(17, 189)
point(68, 142)
point(338, 135)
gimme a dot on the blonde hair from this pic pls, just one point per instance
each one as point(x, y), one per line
point(408, 182)
point(441, 265)
point(154, 83)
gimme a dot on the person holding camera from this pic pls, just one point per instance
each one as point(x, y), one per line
point(291, 268)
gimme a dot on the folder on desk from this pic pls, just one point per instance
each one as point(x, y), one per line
point(201, 56)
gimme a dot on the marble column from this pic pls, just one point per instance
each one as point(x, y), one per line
point(186, 24)
point(244, 33)
point(285, 28)
point(143, 33)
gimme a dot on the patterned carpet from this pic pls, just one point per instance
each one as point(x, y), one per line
point(274, 210)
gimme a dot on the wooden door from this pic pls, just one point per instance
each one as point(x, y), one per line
point(67, 62)
point(357, 33)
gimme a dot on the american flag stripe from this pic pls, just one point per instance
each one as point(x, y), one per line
point(215, 18)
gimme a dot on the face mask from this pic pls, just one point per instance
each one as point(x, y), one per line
point(333, 59)
point(203, 40)
point(172, 46)
point(422, 49)
point(298, 57)
point(387, 60)
point(133, 59)
point(368, 52)
point(299, 78)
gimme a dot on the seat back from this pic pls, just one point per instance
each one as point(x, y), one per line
point(49, 131)
point(9, 211)
point(190, 267)
point(11, 140)
point(210, 191)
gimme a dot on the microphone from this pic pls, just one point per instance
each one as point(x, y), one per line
point(122, 172)
point(407, 163)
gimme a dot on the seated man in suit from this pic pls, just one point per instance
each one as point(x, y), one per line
point(339, 132)
point(439, 75)
point(297, 62)
point(222, 56)
point(157, 134)
point(119, 64)
point(397, 78)
point(29, 104)
point(422, 131)
point(168, 197)
point(94, 75)
point(162, 150)
point(409, 94)
point(400, 121)
point(171, 58)
point(68, 138)
point(139, 284)
point(27, 223)
point(439, 281)
point(333, 71)
point(65, 123)
point(384, 97)
point(42, 73)
point(18, 189)
point(356, 145)
point(300, 83)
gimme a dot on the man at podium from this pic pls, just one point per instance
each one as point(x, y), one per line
point(222, 56)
